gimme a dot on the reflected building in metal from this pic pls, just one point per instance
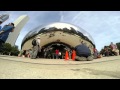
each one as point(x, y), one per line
point(58, 35)
point(4, 17)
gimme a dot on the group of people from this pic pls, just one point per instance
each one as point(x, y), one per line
point(5, 31)
point(52, 54)
point(32, 53)
point(111, 50)
point(40, 52)
point(81, 50)
point(25, 53)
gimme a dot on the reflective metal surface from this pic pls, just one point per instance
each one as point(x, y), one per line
point(58, 26)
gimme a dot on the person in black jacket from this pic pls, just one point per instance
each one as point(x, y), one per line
point(82, 50)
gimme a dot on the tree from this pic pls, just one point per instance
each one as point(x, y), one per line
point(14, 51)
point(7, 49)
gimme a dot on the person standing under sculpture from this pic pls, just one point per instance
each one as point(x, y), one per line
point(56, 53)
point(36, 48)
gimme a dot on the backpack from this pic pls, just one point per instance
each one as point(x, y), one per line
point(34, 43)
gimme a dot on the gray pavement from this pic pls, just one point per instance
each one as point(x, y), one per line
point(24, 68)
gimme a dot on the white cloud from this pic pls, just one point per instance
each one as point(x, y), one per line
point(103, 26)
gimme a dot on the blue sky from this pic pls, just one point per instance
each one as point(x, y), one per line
point(103, 26)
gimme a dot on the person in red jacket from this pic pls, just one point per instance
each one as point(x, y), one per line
point(56, 53)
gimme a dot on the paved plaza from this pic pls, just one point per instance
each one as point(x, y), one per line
point(24, 68)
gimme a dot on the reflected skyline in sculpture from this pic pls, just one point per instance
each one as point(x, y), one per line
point(59, 26)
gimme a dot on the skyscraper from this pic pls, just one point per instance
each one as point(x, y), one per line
point(19, 24)
point(4, 17)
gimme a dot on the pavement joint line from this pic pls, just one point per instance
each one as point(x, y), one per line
point(87, 62)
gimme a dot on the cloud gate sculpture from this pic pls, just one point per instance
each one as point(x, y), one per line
point(58, 35)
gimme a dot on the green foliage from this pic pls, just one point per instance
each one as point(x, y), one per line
point(14, 51)
point(8, 49)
